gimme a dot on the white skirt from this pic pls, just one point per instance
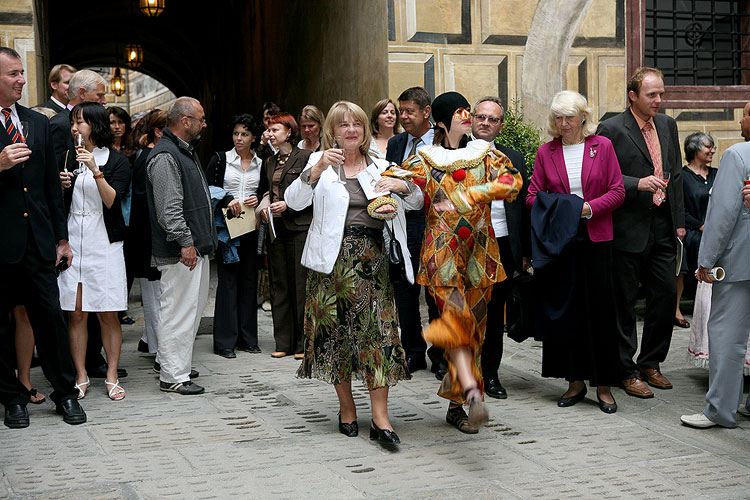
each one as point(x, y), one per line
point(97, 264)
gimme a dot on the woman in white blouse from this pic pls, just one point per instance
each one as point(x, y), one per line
point(311, 120)
point(238, 171)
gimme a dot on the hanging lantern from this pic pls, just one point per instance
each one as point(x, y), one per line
point(117, 83)
point(152, 8)
point(133, 55)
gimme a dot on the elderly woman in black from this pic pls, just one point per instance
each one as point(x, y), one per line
point(288, 276)
point(96, 280)
point(239, 172)
point(697, 181)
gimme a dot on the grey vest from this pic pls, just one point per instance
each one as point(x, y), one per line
point(196, 203)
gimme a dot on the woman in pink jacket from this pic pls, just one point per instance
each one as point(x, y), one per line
point(582, 344)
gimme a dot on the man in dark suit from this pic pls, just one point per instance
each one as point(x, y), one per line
point(85, 86)
point(35, 240)
point(59, 81)
point(646, 227)
point(510, 222)
point(414, 114)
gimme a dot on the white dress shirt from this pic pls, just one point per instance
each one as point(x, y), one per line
point(573, 155)
point(242, 184)
point(497, 210)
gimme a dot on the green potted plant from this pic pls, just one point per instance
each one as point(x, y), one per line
point(520, 135)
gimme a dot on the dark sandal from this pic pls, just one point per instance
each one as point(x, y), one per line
point(34, 393)
point(127, 320)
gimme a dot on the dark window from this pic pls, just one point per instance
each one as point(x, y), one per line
point(698, 42)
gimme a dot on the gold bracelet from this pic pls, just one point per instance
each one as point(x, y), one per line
point(379, 202)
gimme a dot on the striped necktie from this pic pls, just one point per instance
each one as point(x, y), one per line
point(13, 133)
point(414, 144)
point(653, 150)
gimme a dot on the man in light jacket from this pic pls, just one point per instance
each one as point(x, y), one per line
point(726, 244)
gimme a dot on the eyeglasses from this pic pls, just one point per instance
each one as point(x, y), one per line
point(202, 120)
point(492, 119)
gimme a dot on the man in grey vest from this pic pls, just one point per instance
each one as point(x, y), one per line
point(183, 236)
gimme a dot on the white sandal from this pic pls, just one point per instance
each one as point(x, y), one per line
point(116, 393)
point(79, 387)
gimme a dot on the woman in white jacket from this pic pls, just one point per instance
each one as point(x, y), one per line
point(351, 328)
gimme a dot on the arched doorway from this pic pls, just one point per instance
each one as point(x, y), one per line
point(233, 55)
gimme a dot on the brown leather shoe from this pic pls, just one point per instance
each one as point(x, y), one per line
point(654, 378)
point(635, 387)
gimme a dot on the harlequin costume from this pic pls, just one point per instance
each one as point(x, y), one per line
point(460, 259)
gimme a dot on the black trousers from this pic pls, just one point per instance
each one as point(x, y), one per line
point(492, 349)
point(407, 296)
point(32, 283)
point(236, 313)
point(654, 268)
point(288, 280)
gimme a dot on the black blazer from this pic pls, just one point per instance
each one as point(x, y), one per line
point(397, 148)
point(632, 221)
point(516, 214)
point(62, 138)
point(293, 220)
point(117, 174)
point(31, 196)
point(50, 104)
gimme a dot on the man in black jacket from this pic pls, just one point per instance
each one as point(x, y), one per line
point(35, 240)
point(85, 86)
point(414, 114)
point(183, 237)
point(510, 221)
point(646, 227)
point(59, 81)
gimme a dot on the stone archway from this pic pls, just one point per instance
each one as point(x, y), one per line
point(553, 29)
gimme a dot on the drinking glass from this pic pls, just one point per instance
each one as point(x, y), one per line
point(24, 130)
point(746, 210)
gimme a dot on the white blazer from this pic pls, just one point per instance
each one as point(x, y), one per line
point(330, 201)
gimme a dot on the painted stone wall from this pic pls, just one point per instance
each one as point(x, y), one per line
point(478, 47)
point(17, 31)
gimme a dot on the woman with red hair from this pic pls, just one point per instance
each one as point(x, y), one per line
point(287, 274)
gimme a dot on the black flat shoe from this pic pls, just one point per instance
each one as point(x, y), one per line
point(225, 353)
point(441, 370)
point(71, 411)
point(350, 430)
point(607, 407)
point(101, 372)
point(494, 389)
point(16, 416)
point(385, 436)
point(564, 402)
point(253, 349)
point(142, 346)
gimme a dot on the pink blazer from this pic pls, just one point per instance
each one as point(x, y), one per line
point(601, 178)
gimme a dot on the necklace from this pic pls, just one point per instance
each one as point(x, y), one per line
point(283, 158)
point(360, 166)
point(565, 143)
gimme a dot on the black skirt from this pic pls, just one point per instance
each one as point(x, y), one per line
point(577, 311)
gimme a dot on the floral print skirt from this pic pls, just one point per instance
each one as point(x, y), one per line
point(351, 327)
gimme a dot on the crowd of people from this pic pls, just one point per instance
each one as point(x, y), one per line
point(353, 214)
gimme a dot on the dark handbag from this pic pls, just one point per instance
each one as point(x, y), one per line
point(396, 266)
point(519, 312)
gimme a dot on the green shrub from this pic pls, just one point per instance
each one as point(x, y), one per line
point(520, 135)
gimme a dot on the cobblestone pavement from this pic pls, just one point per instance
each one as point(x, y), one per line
point(260, 433)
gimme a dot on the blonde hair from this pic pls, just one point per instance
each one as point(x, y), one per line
point(312, 112)
point(570, 103)
point(336, 115)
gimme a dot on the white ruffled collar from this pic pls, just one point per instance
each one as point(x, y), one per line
point(450, 160)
